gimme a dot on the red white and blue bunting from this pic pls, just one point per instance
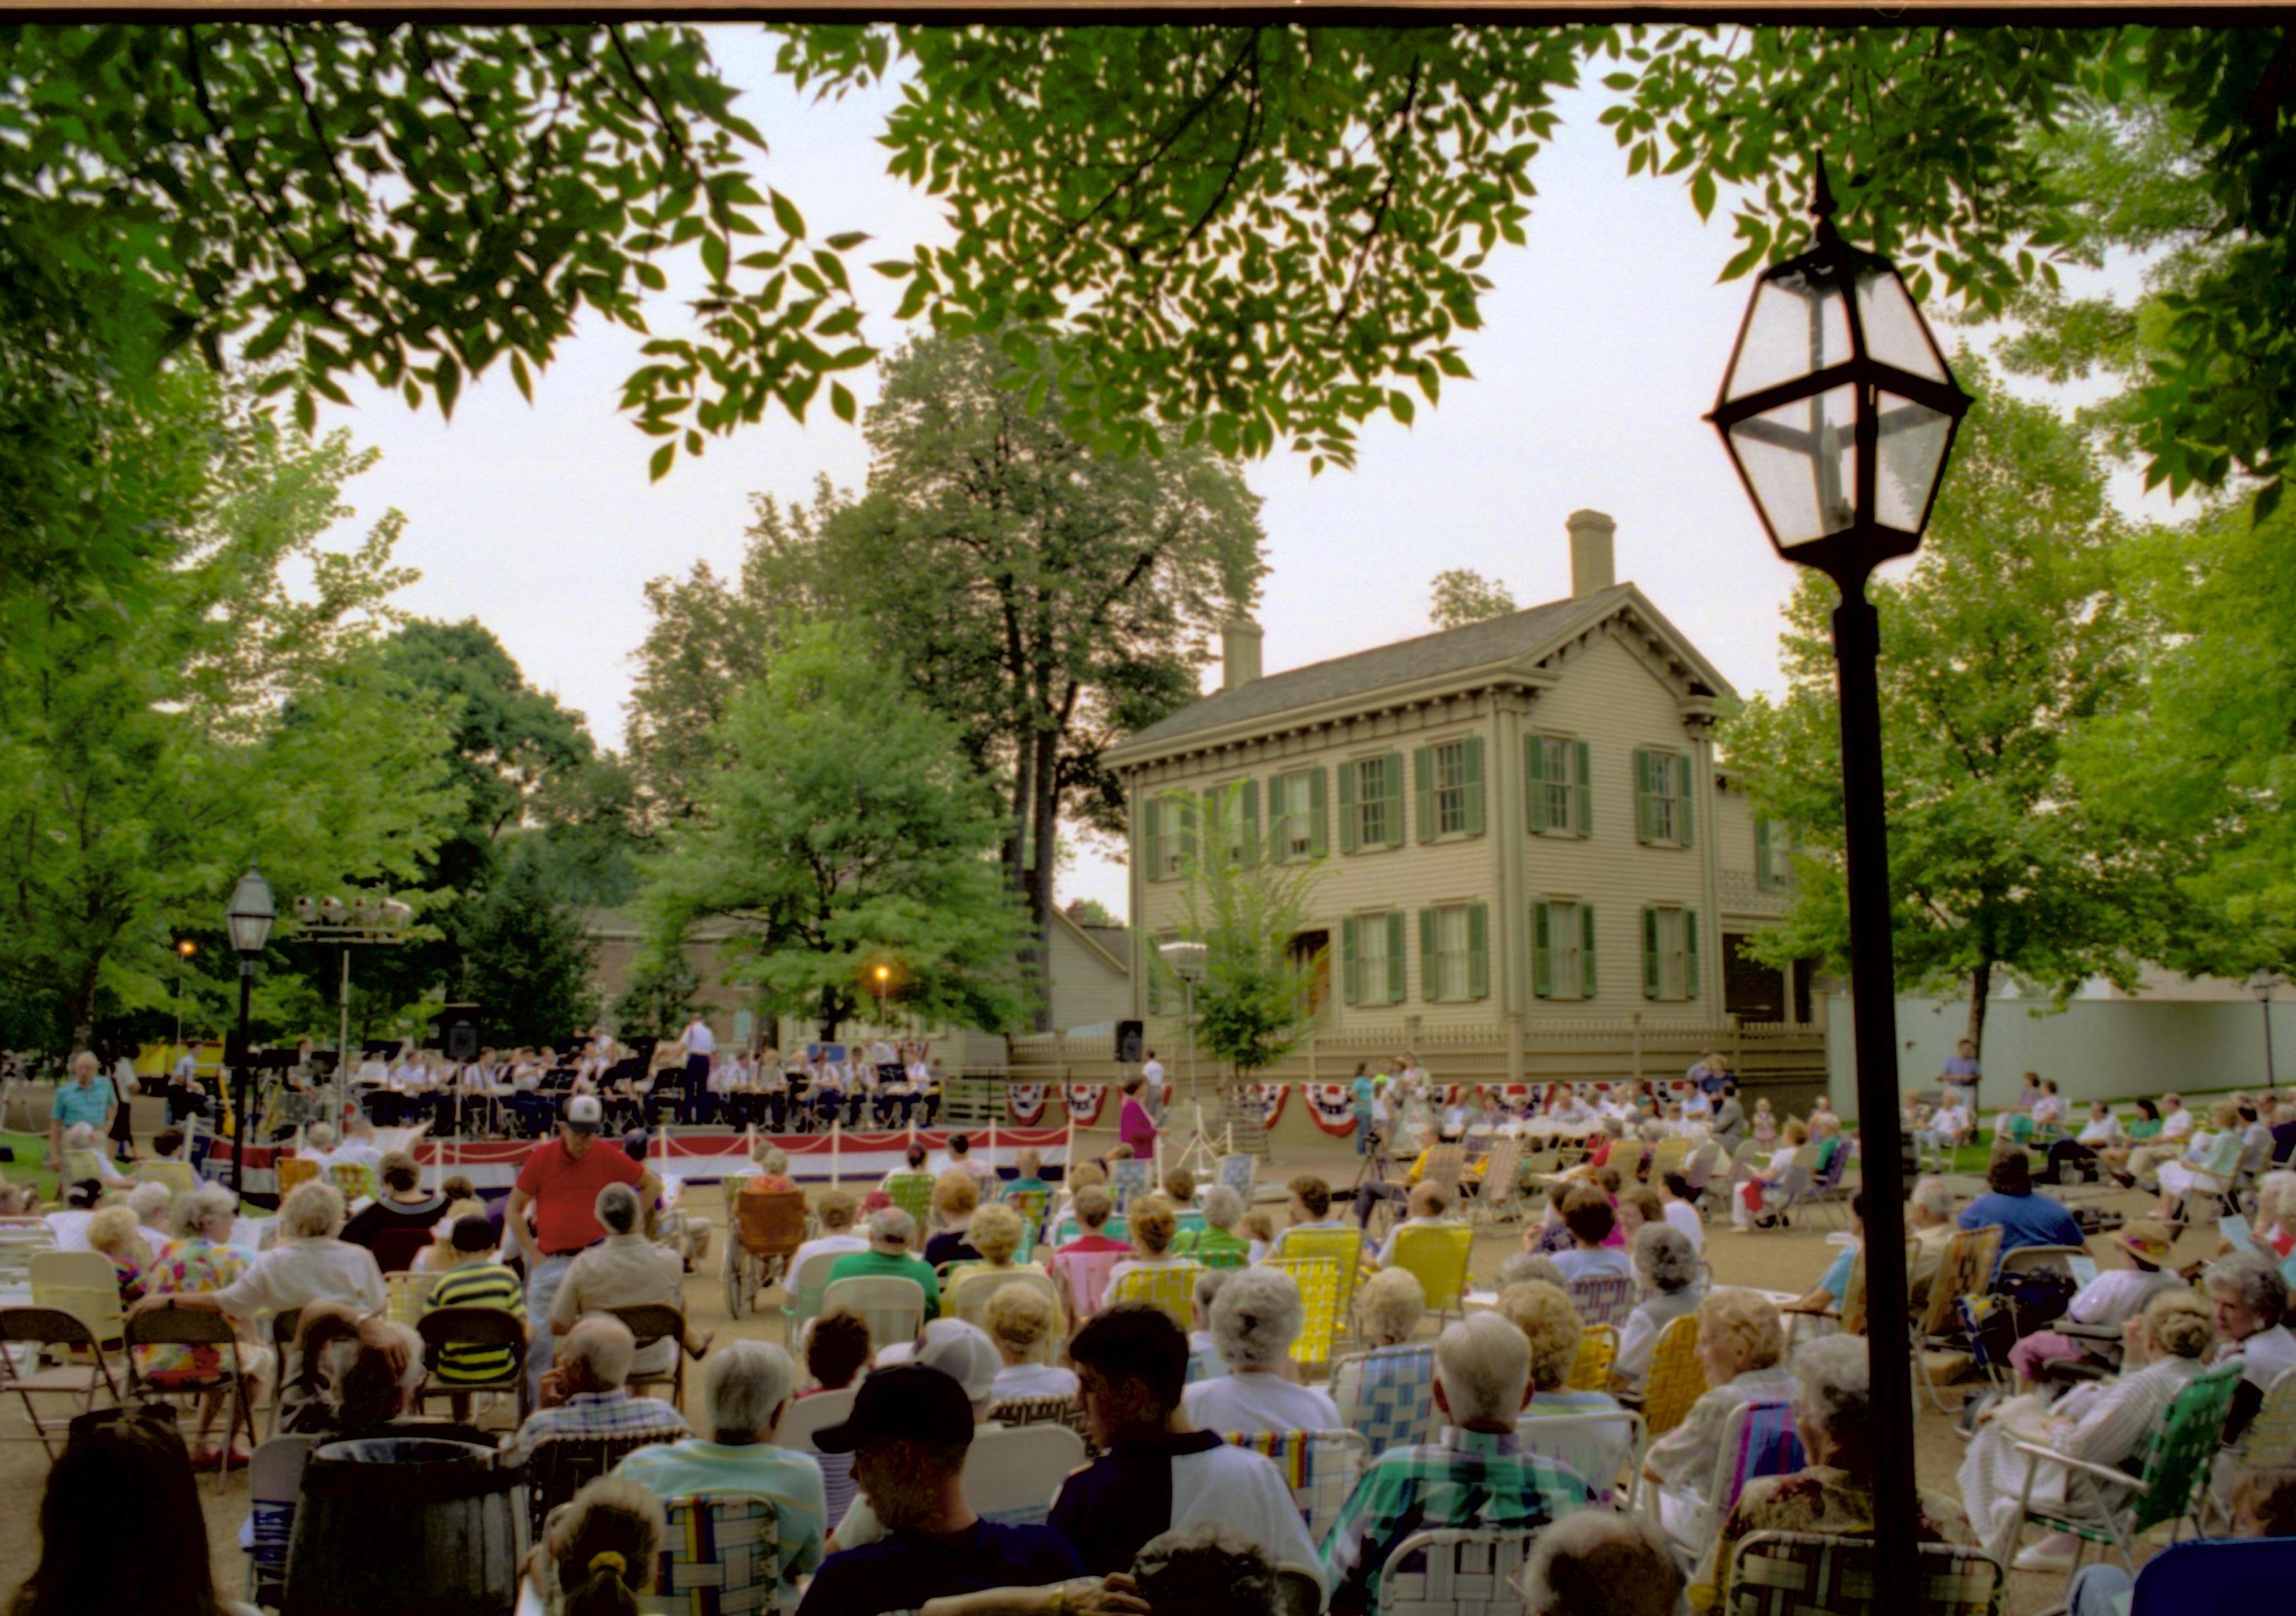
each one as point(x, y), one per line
point(1024, 1103)
point(1333, 1106)
point(1084, 1101)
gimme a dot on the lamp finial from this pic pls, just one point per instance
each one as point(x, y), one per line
point(1822, 204)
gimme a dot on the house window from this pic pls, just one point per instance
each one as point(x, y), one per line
point(1452, 965)
point(1772, 856)
point(1300, 794)
point(1669, 953)
point(1562, 949)
point(1560, 803)
point(1450, 788)
point(1662, 798)
point(1373, 807)
point(1371, 950)
point(1171, 835)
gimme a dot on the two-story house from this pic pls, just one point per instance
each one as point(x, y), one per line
point(1519, 821)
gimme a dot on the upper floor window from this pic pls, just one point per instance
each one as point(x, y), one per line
point(1171, 834)
point(1371, 802)
point(1561, 800)
point(1447, 777)
point(1772, 856)
point(1662, 798)
point(1296, 814)
point(1669, 953)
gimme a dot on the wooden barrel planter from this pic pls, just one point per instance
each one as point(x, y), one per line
point(406, 1523)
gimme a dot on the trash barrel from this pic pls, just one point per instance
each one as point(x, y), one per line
point(406, 1523)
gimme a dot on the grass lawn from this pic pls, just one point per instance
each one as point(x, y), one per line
point(29, 1151)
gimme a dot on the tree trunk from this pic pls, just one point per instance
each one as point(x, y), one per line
point(831, 1015)
point(1044, 830)
point(1016, 845)
point(1980, 984)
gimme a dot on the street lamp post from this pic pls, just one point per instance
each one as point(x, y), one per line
point(882, 974)
point(2261, 985)
point(1186, 960)
point(184, 948)
point(249, 921)
point(1838, 411)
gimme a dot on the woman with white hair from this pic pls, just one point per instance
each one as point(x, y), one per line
point(1255, 1318)
point(2103, 1422)
point(1594, 1562)
point(149, 1202)
point(1389, 1307)
point(84, 1147)
point(996, 1233)
point(1741, 1340)
point(309, 1264)
point(1667, 1265)
point(1217, 1244)
point(1833, 1493)
point(624, 1270)
point(746, 1388)
point(199, 1258)
point(1020, 1319)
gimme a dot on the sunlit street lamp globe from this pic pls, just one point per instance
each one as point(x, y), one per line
point(1838, 408)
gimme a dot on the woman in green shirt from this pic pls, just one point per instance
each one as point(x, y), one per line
point(2146, 1127)
point(1216, 1245)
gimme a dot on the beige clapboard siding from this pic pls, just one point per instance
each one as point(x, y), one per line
point(1735, 838)
point(1409, 878)
point(1608, 697)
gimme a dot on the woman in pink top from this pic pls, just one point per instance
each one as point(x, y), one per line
point(1134, 1125)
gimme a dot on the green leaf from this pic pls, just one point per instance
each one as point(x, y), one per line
point(786, 215)
point(841, 401)
point(659, 466)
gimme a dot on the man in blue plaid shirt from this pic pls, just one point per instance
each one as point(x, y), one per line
point(1474, 1474)
point(585, 1394)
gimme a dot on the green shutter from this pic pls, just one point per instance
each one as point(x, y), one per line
point(1422, 779)
point(1651, 975)
point(1479, 951)
point(1151, 820)
point(1471, 763)
point(1582, 799)
point(1430, 972)
point(1391, 776)
point(1534, 781)
point(1278, 832)
point(1347, 806)
point(1542, 964)
point(1250, 805)
point(1350, 962)
point(1319, 840)
point(1586, 950)
point(1216, 822)
point(1645, 807)
point(1685, 772)
point(1396, 954)
point(1689, 953)
point(1189, 850)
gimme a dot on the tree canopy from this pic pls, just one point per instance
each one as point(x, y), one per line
point(2001, 652)
point(847, 830)
point(1463, 596)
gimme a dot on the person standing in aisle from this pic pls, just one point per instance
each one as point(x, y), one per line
point(560, 1182)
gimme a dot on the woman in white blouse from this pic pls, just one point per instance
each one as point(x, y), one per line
point(1256, 1317)
point(2104, 1423)
point(1741, 1343)
point(1020, 1318)
point(1667, 1265)
point(307, 1265)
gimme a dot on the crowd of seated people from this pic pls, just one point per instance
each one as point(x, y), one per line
point(1178, 1484)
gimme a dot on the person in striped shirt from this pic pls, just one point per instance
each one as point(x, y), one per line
point(746, 1390)
point(475, 1281)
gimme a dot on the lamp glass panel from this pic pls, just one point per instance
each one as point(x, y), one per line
point(1801, 460)
point(1908, 455)
point(248, 919)
point(1796, 327)
point(1895, 333)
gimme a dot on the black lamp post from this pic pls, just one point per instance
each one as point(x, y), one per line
point(1838, 411)
point(2261, 985)
point(249, 920)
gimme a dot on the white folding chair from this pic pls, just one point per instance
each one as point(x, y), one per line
point(1599, 1443)
point(1012, 1472)
point(893, 1305)
point(1455, 1573)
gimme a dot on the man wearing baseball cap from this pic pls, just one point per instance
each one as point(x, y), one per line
point(561, 1181)
point(909, 1431)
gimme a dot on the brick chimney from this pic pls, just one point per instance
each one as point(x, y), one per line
point(1593, 566)
point(1239, 654)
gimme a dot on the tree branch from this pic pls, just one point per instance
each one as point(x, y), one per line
point(1171, 138)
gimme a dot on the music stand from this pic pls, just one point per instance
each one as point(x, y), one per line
point(1200, 1156)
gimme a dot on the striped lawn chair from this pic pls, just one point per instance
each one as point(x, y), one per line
point(1318, 1279)
point(913, 1193)
point(1455, 1573)
point(1813, 1574)
point(1240, 1174)
point(1602, 1299)
point(1170, 1288)
point(1598, 1349)
point(1676, 1379)
point(720, 1556)
point(1321, 1468)
point(1438, 1257)
point(1128, 1181)
point(1083, 1279)
point(1387, 1395)
point(1344, 1247)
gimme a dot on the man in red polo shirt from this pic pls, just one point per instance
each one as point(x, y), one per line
point(561, 1181)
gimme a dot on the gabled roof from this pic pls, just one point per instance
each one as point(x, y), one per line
point(1520, 637)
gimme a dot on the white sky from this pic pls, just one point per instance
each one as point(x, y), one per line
point(1603, 344)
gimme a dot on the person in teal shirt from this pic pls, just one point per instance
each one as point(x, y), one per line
point(745, 1391)
point(1362, 1093)
point(1030, 1166)
point(892, 1235)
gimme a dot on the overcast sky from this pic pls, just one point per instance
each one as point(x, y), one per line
point(1603, 344)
